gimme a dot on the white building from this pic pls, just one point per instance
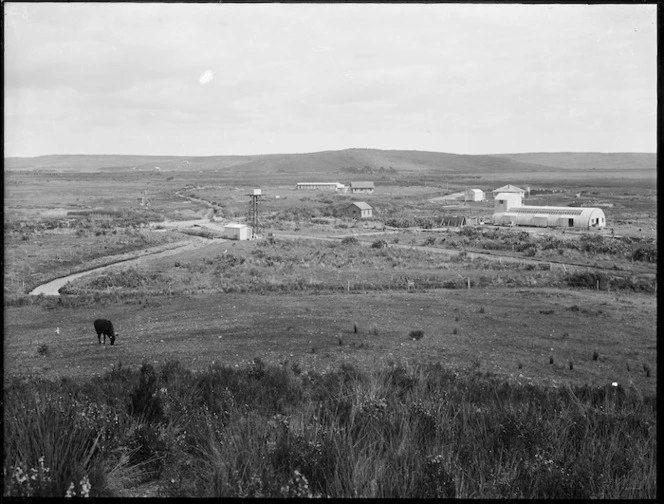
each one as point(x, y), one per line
point(474, 195)
point(236, 231)
point(321, 186)
point(510, 189)
point(509, 209)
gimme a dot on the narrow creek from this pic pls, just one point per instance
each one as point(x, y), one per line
point(52, 287)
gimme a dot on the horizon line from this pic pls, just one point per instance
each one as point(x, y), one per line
point(335, 150)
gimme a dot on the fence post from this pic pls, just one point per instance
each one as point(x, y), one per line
point(469, 282)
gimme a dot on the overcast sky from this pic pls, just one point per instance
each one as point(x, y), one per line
point(213, 79)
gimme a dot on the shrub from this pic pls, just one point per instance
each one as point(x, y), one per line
point(350, 240)
point(148, 447)
point(145, 402)
point(257, 370)
point(416, 334)
point(646, 253)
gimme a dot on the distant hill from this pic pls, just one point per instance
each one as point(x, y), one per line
point(344, 164)
point(587, 160)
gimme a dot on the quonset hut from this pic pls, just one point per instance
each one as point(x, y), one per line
point(509, 209)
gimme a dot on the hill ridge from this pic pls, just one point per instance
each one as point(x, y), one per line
point(327, 163)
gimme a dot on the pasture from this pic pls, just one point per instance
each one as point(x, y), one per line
point(321, 295)
point(508, 331)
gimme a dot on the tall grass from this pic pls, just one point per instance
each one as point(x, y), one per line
point(274, 431)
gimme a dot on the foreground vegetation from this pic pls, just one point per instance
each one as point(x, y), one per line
point(281, 431)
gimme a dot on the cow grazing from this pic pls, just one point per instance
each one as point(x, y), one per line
point(105, 327)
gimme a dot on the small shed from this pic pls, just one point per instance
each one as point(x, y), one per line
point(474, 195)
point(362, 187)
point(359, 210)
point(236, 231)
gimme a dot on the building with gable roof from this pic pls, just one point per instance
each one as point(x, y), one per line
point(359, 210)
point(509, 209)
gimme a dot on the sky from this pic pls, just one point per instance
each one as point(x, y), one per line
point(240, 79)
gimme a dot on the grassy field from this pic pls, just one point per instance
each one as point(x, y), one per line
point(331, 357)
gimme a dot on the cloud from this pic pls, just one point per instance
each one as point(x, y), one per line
point(206, 77)
point(364, 74)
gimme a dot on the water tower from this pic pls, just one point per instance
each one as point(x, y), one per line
point(253, 211)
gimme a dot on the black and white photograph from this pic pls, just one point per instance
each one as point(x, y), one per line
point(330, 250)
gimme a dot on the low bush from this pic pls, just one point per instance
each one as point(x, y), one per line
point(416, 334)
point(269, 431)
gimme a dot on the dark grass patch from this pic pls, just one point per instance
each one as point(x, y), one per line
point(416, 334)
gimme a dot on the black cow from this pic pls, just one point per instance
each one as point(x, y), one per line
point(105, 327)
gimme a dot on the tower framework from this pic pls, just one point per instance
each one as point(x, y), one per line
point(253, 211)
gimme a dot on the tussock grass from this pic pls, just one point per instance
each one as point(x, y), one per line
point(269, 431)
point(416, 334)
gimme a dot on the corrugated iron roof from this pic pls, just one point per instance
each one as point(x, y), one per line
point(509, 188)
point(361, 185)
point(546, 210)
point(361, 205)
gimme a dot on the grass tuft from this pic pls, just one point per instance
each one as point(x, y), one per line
point(416, 334)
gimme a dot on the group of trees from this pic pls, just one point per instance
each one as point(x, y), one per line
point(368, 170)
